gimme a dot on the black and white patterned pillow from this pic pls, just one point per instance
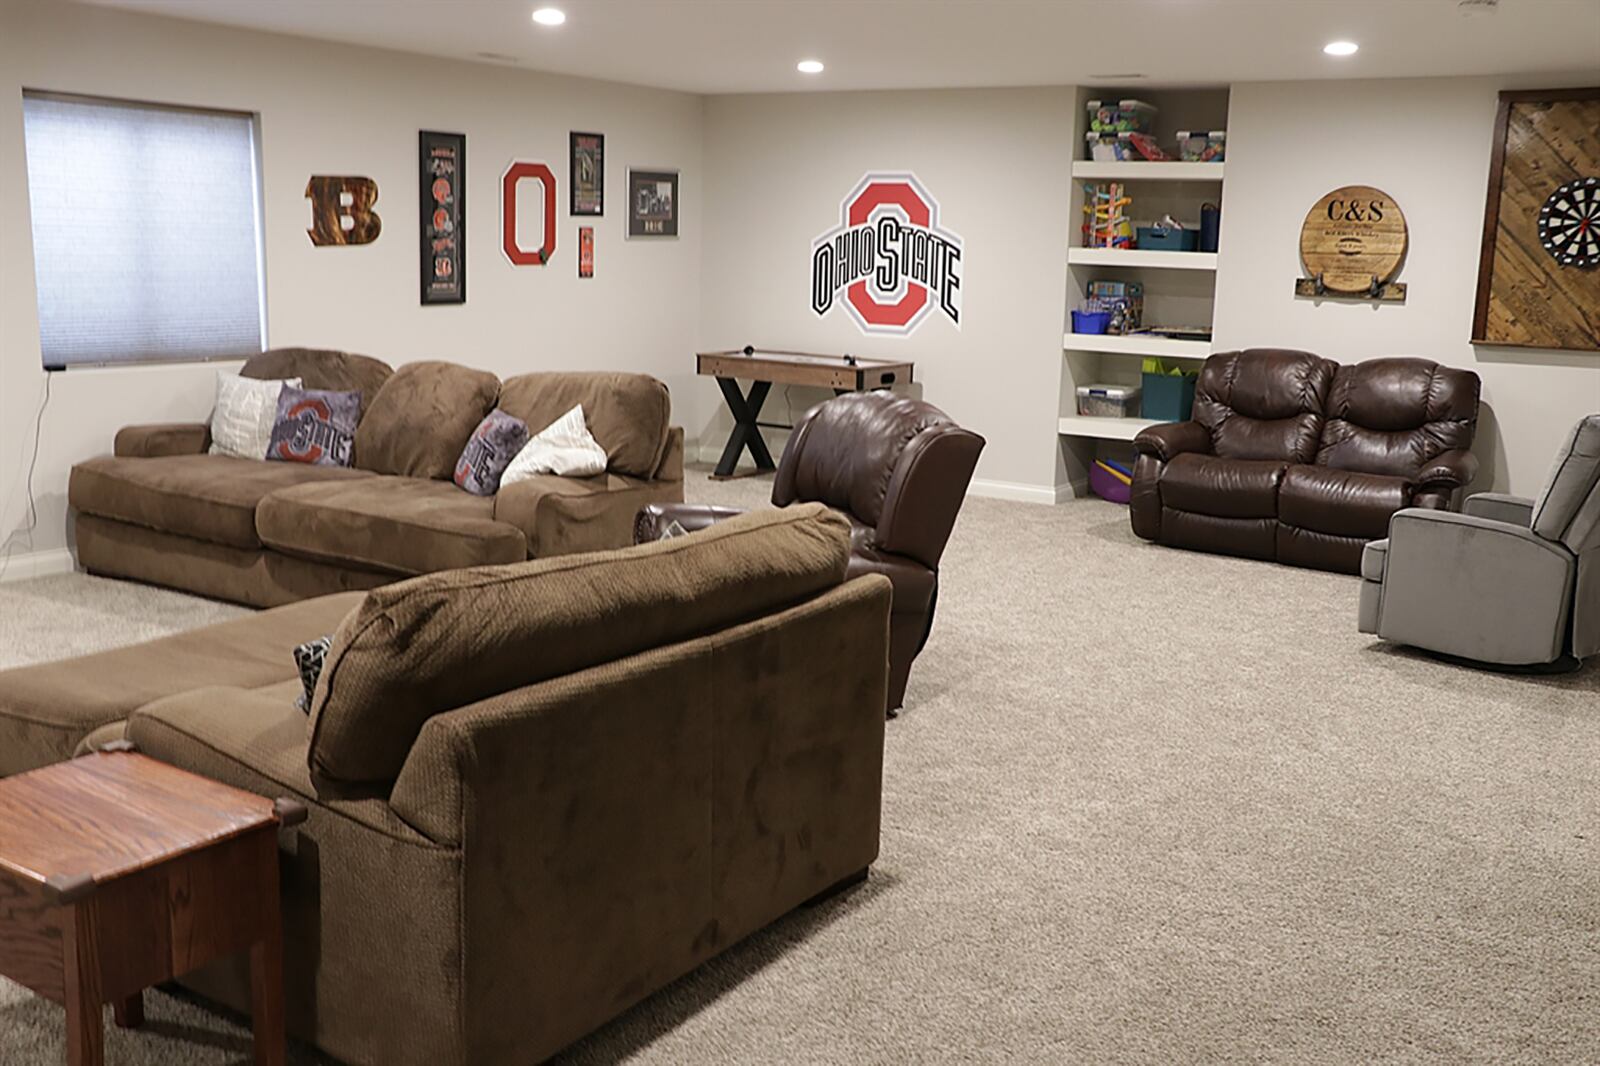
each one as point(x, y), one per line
point(308, 659)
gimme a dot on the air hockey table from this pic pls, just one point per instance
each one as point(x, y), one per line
point(764, 368)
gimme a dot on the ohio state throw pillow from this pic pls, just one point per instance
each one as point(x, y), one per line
point(314, 426)
point(490, 449)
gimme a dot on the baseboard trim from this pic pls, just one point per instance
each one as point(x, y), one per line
point(27, 565)
point(1019, 491)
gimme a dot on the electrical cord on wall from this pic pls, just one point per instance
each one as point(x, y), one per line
point(25, 531)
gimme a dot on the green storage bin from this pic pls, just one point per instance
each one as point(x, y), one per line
point(1169, 397)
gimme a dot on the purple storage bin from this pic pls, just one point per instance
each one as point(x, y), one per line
point(1107, 487)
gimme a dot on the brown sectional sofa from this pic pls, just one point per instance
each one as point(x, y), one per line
point(162, 510)
point(539, 792)
point(1297, 458)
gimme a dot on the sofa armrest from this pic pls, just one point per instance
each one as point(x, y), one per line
point(1453, 469)
point(561, 515)
point(165, 438)
point(925, 493)
point(671, 466)
point(1172, 439)
point(653, 519)
point(1500, 506)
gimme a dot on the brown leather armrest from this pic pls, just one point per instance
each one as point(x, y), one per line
point(166, 438)
point(1455, 468)
point(653, 519)
point(925, 493)
point(1172, 439)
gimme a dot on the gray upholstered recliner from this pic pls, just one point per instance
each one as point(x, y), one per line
point(1509, 581)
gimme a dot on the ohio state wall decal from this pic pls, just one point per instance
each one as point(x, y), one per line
point(889, 257)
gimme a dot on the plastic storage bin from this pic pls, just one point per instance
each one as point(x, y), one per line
point(1109, 401)
point(1090, 321)
point(1200, 146)
point(1168, 397)
point(1110, 481)
point(1120, 116)
point(1111, 148)
point(1160, 239)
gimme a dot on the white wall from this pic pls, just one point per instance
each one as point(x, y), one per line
point(1427, 144)
point(777, 167)
point(332, 109)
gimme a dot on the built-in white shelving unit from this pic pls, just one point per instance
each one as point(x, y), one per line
point(1179, 287)
point(1140, 344)
point(1134, 257)
point(1088, 170)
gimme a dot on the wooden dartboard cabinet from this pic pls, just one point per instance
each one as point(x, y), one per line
point(1532, 291)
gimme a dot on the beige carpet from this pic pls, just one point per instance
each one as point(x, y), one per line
point(1144, 806)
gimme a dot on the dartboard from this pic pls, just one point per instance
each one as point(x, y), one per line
point(1569, 223)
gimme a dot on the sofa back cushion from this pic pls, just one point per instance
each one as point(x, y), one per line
point(438, 642)
point(322, 369)
point(420, 420)
point(1392, 416)
point(1264, 403)
point(627, 413)
point(1567, 509)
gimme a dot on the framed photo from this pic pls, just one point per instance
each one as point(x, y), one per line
point(1539, 261)
point(442, 181)
point(588, 174)
point(585, 251)
point(652, 203)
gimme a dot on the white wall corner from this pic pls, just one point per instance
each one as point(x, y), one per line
point(25, 565)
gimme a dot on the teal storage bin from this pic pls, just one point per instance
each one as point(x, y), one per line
point(1169, 397)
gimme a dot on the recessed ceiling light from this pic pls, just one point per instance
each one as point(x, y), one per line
point(809, 66)
point(1341, 48)
point(549, 16)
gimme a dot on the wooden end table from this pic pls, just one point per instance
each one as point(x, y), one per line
point(118, 872)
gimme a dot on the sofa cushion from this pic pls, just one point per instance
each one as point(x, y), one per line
point(207, 497)
point(432, 644)
point(627, 413)
point(395, 524)
point(320, 368)
point(420, 420)
point(46, 709)
point(1568, 506)
point(1345, 503)
point(1222, 488)
point(1391, 416)
point(1264, 403)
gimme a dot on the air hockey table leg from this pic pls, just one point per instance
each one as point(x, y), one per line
point(746, 433)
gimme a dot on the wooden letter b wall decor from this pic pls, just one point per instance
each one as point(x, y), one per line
point(341, 210)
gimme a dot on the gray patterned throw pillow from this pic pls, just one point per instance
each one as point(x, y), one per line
point(490, 449)
point(314, 426)
point(308, 659)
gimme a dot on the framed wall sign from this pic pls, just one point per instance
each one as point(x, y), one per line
point(652, 203)
point(442, 185)
point(585, 251)
point(588, 173)
point(1352, 244)
point(1539, 264)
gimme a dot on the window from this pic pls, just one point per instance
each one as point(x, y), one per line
point(146, 231)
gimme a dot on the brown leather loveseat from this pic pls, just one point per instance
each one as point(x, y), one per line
point(898, 469)
point(1297, 458)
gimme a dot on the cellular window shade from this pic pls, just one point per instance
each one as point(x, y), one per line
point(146, 245)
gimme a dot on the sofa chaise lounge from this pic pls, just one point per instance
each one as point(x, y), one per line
point(538, 792)
point(1293, 457)
point(163, 510)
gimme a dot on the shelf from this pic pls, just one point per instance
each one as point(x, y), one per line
point(1136, 344)
point(1103, 428)
point(1143, 170)
point(1124, 257)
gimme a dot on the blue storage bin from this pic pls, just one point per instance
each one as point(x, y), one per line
point(1090, 321)
point(1156, 239)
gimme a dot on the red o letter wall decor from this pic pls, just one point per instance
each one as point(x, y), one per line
point(515, 173)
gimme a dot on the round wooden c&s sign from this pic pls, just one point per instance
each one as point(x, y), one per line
point(1351, 236)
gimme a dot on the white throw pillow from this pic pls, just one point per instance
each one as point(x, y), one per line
point(241, 422)
point(564, 447)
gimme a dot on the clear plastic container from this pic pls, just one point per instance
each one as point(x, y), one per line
point(1200, 146)
point(1108, 401)
point(1120, 116)
point(1112, 148)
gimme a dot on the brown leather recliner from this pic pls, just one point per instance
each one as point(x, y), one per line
point(1293, 457)
point(898, 468)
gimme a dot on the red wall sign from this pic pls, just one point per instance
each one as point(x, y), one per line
point(514, 174)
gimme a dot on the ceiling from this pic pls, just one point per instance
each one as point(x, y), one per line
point(732, 46)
